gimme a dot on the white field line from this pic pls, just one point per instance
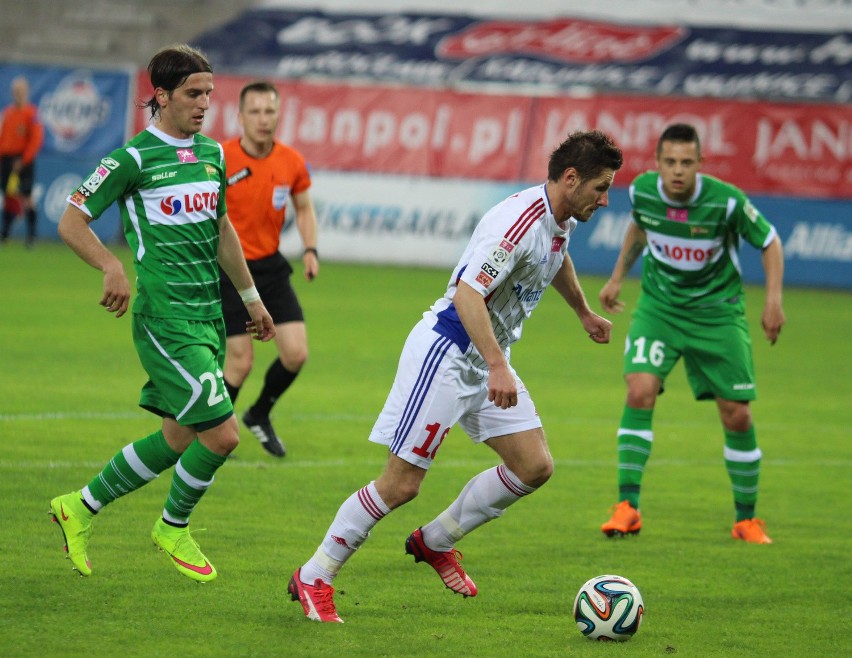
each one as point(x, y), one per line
point(49, 464)
point(349, 417)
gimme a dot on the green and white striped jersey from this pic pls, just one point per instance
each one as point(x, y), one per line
point(691, 264)
point(171, 194)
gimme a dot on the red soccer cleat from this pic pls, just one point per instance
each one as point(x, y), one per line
point(446, 564)
point(317, 599)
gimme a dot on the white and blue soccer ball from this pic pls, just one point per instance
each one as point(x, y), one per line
point(608, 608)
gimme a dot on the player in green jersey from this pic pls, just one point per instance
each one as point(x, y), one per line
point(169, 184)
point(688, 228)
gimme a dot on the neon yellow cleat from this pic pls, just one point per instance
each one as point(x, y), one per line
point(75, 521)
point(183, 550)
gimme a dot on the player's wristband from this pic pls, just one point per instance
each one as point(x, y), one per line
point(312, 250)
point(249, 295)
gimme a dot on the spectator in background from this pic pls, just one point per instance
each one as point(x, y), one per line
point(21, 137)
point(262, 175)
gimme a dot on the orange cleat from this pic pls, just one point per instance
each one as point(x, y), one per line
point(751, 530)
point(626, 520)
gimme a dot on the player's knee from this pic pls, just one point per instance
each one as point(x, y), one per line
point(739, 421)
point(293, 360)
point(238, 367)
point(398, 492)
point(542, 475)
point(228, 440)
point(640, 398)
point(535, 473)
point(406, 491)
point(736, 416)
point(230, 444)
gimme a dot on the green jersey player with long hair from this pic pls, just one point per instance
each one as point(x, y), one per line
point(169, 184)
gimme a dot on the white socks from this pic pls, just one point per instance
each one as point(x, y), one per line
point(484, 498)
point(350, 528)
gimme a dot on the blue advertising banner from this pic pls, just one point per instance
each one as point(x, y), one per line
point(85, 116)
point(84, 111)
point(370, 218)
point(546, 55)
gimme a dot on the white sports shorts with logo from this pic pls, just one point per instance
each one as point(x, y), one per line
point(436, 387)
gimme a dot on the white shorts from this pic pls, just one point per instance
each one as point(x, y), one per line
point(436, 387)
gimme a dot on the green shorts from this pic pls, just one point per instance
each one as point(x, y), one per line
point(184, 360)
point(717, 356)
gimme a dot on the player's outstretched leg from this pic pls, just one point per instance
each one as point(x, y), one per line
point(183, 550)
point(317, 600)
point(626, 520)
point(75, 521)
point(445, 563)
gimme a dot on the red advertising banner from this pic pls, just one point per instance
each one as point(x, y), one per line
point(800, 150)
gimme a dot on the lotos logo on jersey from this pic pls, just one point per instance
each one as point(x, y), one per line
point(170, 206)
point(197, 202)
point(686, 255)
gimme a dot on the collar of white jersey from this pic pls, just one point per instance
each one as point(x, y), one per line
point(570, 223)
point(168, 139)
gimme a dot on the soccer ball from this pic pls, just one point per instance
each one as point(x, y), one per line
point(608, 608)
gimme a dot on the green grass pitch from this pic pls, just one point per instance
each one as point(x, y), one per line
point(70, 383)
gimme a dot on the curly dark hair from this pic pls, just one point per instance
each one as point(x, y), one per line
point(589, 152)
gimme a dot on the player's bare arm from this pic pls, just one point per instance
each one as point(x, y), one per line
point(231, 258)
point(75, 232)
point(567, 285)
point(634, 242)
point(473, 313)
point(306, 224)
point(773, 313)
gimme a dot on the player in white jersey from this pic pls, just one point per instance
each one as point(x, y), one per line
point(454, 368)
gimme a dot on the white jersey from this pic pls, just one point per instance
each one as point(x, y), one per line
point(513, 255)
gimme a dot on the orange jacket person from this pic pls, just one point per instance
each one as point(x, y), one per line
point(21, 137)
point(262, 175)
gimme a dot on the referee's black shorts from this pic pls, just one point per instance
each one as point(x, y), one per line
point(25, 175)
point(272, 279)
